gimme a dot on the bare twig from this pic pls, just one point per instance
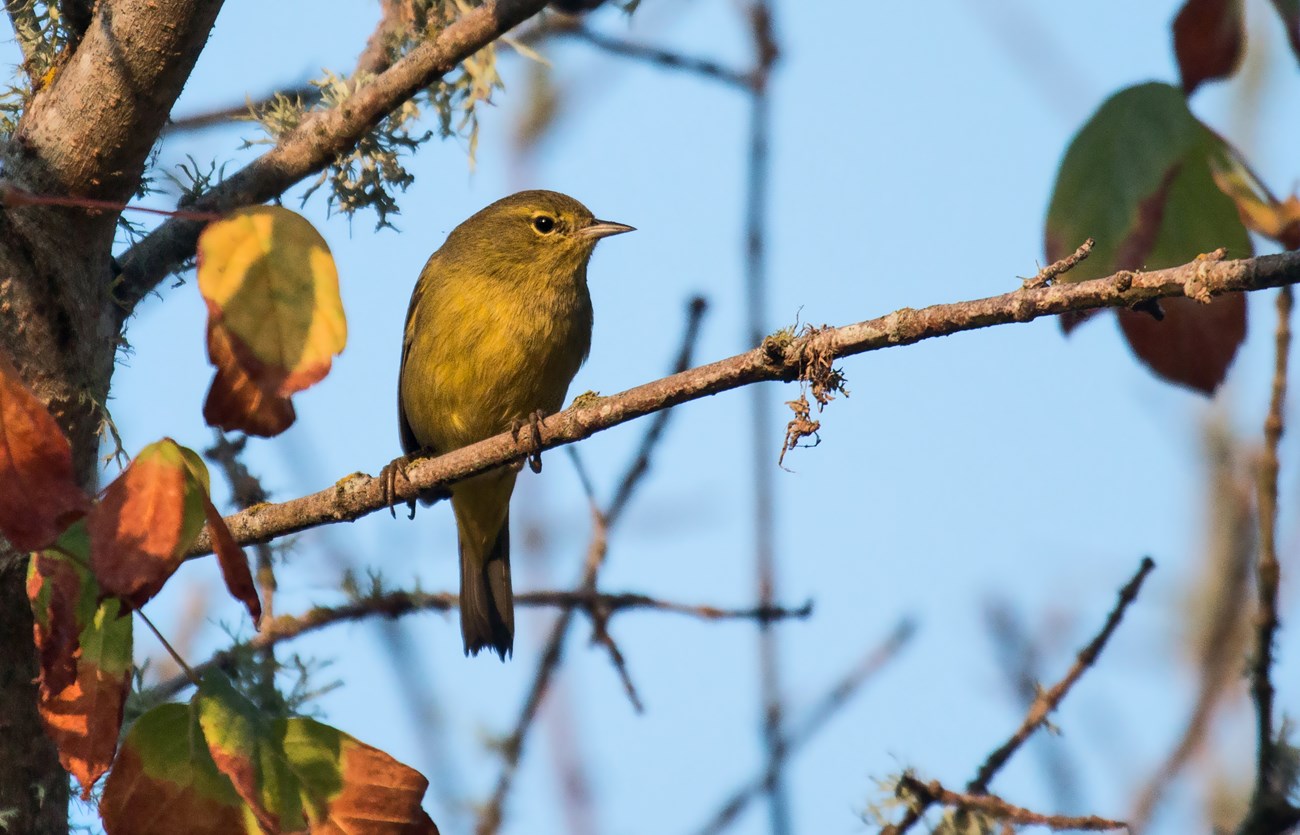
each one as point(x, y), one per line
point(1043, 706)
point(398, 603)
point(306, 93)
point(813, 720)
point(1269, 803)
point(1221, 605)
point(512, 748)
point(656, 56)
point(995, 807)
point(1053, 271)
point(758, 165)
point(357, 495)
point(1021, 655)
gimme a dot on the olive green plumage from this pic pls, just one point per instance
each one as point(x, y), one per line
point(499, 323)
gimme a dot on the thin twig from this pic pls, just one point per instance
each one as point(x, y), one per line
point(512, 747)
point(1043, 706)
point(399, 603)
point(999, 809)
point(759, 15)
point(1222, 607)
point(1053, 271)
point(308, 94)
point(1270, 793)
point(1021, 656)
point(358, 495)
point(813, 720)
point(190, 675)
point(658, 57)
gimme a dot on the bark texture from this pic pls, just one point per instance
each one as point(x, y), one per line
point(87, 132)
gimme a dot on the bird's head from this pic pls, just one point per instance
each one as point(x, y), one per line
point(541, 232)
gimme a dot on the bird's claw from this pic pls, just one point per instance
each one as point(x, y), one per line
point(388, 483)
point(531, 446)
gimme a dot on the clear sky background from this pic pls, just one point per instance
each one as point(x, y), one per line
point(914, 151)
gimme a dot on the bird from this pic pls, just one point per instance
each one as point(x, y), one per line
point(499, 323)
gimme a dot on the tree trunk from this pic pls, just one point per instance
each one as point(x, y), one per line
point(87, 132)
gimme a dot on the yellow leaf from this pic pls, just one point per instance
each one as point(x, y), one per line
point(275, 319)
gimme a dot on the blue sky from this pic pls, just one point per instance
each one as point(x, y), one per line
point(914, 152)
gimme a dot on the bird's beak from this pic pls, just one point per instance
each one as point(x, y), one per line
point(604, 228)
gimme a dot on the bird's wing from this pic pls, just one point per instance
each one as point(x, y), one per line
point(409, 442)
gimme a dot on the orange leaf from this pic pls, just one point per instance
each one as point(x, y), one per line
point(39, 497)
point(164, 781)
point(84, 718)
point(275, 319)
point(137, 530)
point(378, 794)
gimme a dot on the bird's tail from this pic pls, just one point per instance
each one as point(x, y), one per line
point(487, 608)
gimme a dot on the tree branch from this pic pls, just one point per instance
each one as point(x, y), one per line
point(1270, 810)
point(89, 132)
point(512, 748)
point(999, 809)
point(1042, 707)
point(812, 721)
point(319, 139)
point(398, 603)
point(777, 359)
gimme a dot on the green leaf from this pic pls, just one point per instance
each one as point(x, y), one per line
point(1137, 178)
point(164, 781)
point(296, 773)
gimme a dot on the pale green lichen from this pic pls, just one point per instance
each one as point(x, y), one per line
point(371, 173)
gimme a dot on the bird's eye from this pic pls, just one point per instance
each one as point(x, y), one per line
point(544, 224)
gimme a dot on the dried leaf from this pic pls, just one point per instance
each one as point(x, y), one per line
point(164, 781)
point(39, 496)
point(275, 319)
point(1209, 40)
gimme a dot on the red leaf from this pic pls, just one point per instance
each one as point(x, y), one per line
point(1194, 344)
point(233, 562)
point(39, 497)
point(54, 589)
point(136, 528)
point(1209, 40)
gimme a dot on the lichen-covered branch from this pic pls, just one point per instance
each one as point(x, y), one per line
point(356, 495)
point(315, 143)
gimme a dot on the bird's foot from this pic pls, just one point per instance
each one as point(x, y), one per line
point(388, 482)
point(531, 444)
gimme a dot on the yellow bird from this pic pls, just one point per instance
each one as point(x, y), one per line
point(499, 323)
